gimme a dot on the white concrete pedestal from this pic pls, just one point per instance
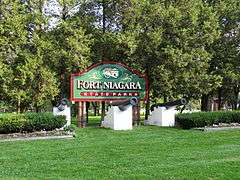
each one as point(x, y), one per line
point(162, 117)
point(117, 119)
point(66, 112)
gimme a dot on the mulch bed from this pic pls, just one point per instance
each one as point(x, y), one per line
point(56, 134)
point(220, 126)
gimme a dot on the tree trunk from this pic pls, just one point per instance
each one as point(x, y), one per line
point(94, 104)
point(95, 110)
point(104, 16)
point(98, 109)
point(236, 92)
point(147, 107)
point(204, 102)
point(219, 98)
point(19, 106)
point(104, 50)
point(87, 111)
point(63, 84)
point(165, 98)
point(36, 109)
point(103, 112)
point(81, 114)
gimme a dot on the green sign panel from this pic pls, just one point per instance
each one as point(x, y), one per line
point(108, 81)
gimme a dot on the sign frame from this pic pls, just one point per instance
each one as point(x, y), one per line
point(106, 99)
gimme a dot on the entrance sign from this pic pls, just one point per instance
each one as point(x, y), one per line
point(108, 81)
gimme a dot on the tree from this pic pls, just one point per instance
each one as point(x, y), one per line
point(24, 76)
point(170, 44)
point(70, 45)
point(225, 50)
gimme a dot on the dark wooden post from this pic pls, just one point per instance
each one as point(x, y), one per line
point(134, 117)
point(94, 105)
point(138, 114)
point(87, 110)
point(103, 112)
point(79, 114)
point(205, 103)
point(82, 114)
point(98, 109)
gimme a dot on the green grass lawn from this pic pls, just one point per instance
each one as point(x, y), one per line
point(146, 152)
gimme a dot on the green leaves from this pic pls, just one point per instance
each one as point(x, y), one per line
point(187, 48)
point(29, 122)
point(171, 41)
point(201, 119)
point(21, 56)
point(225, 50)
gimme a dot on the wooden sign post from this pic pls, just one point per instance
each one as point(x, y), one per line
point(82, 114)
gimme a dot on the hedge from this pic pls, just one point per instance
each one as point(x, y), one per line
point(202, 119)
point(29, 122)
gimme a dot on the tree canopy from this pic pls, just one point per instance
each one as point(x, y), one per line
point(187, 48)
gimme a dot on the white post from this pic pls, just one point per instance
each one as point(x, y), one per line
point(162, 116)
point(66, 112)
point(117, 119)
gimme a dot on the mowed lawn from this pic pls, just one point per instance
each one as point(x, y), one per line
point(147, 152)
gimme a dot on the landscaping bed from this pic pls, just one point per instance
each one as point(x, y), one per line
point(220, 127)
point(31, 126)
point(30, 122)
point(55, 134)
point(208, 119)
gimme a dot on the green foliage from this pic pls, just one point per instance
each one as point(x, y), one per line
point(225, 52)
point(171, 45)
point(29, 122)
point(11, 123)
point(69, 46)
point(201, 119)
point(187, 48)
point(23, 75)
point(43, 121)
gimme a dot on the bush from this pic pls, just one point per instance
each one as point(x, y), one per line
point(29, 122)
point(43, 121)
point(201, 119)
point(10, 123)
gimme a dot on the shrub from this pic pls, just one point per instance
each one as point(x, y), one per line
point(29, 122)
point(43, 121)
point(10, 123)
point(201, 119)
